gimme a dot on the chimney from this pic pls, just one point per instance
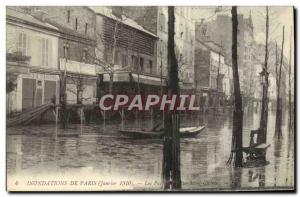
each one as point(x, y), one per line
point(39, 14)
point(117, 11)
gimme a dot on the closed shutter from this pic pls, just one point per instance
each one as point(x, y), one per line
point(49, 91)
point(28, 93)
point(50, 53)
point(28, 47)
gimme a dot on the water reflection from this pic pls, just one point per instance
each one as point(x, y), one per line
point(100, 149)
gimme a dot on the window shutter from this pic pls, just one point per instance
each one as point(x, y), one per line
point(40, 52)
point(28, 47)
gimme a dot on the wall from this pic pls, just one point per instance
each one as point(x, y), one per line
point(59, 15)
point(33, 45)
point(202, 68)
point(219, 30)
point(48, 84)
point(130, 42)
point(155, 19)
point(184, 41)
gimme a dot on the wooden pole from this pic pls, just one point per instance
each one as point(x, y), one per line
point(171, 148)
point(237, 129)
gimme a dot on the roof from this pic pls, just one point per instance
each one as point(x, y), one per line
point(125, 20)
point(46, 23)
point(69, 32)
point(14, 14)
point(212, 46)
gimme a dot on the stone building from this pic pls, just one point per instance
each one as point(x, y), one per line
point(32, 76)
point(219, 30)
point(155, 20)
point(127, 51)
point(213, 79)
point(76, 48)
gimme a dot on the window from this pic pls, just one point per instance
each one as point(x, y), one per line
point(44, 51)
point(86, 27)
point(68, 16)
point(204, 30)
point(134, 62)
point(106, 55)
point(22, 43)
point(141, 64)
point(39, 83)
point(76, 23)
point(84, 55)
point(150, 66)
point(117, 58)
point(161, 49)
point(124, 60)
point(66, 51)
point(162, 22)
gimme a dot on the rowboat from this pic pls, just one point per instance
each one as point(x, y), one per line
point(133, 133)
point(184, 132)
point(191, 131)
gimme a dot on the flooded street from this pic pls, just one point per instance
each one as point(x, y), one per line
point(101, 152)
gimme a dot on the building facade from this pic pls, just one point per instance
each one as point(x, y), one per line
point(76, 48)
point(209, 30)
point(31, 54)
point(155, 20)
point(127, 51)
point(213, 77)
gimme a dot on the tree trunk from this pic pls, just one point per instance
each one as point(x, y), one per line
point(112, 64)
point(171, 154)
point(278, 132)
point(62, 100)
point(264, 106)
point(290, 94)
point(111, 81)
point(237, 129)
point(218, 81)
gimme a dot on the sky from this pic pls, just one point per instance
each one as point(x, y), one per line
point(278, 16)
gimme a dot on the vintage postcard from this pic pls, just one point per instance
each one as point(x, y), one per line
point(150, 98)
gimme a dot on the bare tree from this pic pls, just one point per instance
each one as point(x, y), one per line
point(108, 63)
point(264, 109)
point(278, 132)
point(237, 128)
point(290, 95)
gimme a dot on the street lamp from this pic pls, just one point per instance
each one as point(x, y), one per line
point(262, 75)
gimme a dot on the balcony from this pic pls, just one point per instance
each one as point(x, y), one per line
point(81, 68)
point(124, 76)
point(16, 63)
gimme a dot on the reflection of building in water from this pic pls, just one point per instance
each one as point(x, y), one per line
point(187, 157)
point(19, 154)
point(248, 121)
point(236, 178)
point(194, 162)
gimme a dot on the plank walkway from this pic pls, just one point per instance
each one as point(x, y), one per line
point(26, 117)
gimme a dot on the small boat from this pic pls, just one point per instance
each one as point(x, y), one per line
point(184, 132)
point(68, 135)
point(191, 131)
point(142, 134)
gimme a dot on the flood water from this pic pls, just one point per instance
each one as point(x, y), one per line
point(100, 152)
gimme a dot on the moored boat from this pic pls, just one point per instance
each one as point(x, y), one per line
point(184, 132)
